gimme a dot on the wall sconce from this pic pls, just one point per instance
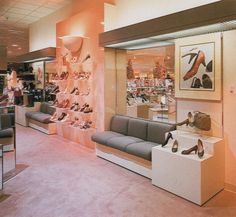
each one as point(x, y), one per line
point(73, 43)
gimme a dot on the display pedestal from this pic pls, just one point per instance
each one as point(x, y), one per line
point(188, 176)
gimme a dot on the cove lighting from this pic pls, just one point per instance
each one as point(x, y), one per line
point(39, 59)
point(167, 39)
point(72, 36)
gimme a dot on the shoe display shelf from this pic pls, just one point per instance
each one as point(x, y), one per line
point(64, 128)
point(75, 134)
point(188, 176)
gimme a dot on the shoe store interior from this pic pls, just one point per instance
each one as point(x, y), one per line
point(117, 108)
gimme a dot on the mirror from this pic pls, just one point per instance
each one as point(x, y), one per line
point(150, 83)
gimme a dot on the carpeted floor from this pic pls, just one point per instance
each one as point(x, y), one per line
point(65, 179)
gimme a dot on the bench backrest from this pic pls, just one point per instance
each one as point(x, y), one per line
point(147, 130)
point(47, 108)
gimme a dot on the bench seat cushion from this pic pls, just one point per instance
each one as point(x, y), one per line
point(41, 117)
point(30, 114)
point(102, 137)
point(122, 142)
point(141, 149)
point(6, 133)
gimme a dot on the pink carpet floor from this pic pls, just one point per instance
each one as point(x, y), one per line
point(65, 179)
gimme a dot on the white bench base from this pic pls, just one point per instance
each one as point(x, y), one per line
point(49, 129)
point(133, 163)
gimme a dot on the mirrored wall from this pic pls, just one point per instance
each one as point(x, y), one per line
point(150, 83)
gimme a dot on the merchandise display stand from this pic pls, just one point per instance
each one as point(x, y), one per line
point(80, 77)
point(188, 176)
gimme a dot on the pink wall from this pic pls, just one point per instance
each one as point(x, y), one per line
point(88, 24)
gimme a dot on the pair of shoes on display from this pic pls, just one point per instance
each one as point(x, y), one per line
point(64, 117)
point(74, 90)
point(83, 124)
point(81, 75)
point(63, 104)
point(55, 77)
point(64, 75)
point(86, 124)
point(75, 107)
point(86, 109)
point(198, 149)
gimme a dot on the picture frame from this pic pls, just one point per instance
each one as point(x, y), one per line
point(198, 67)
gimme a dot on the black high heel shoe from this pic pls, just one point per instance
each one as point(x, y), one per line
point(62, 116)
point(169, 136)
point(175, 146)
point(200, 151)
point(188, 151)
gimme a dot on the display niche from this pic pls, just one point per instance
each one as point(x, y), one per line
point(150, 84)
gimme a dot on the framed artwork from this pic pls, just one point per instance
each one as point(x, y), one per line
point(198, 67)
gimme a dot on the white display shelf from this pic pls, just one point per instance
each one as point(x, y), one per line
point(189, 176)
point(192, 156)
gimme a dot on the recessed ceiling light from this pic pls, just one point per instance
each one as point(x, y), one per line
point(19, 48)
point(14, 45)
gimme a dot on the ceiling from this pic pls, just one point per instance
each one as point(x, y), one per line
point(15, 17)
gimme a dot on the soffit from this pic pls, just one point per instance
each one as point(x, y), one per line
point(219, 16)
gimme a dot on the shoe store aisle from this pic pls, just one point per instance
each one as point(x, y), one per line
point(65, 179)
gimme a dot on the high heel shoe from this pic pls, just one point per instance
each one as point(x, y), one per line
point(188, 151)
point(175, 146)
point(169, 136)
point(200, 151)
point(62, 116)
point(74, 89)
point(188, 121)
point(200, 59)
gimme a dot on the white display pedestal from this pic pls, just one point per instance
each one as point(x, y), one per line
point(188, 176)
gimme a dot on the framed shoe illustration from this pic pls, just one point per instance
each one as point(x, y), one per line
point(198, 58)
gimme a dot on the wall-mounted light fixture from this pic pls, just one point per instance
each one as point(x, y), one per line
point(73, 43)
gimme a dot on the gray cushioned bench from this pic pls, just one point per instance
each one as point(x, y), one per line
point(44, 115)
point(41, 119)
point(136, 137)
